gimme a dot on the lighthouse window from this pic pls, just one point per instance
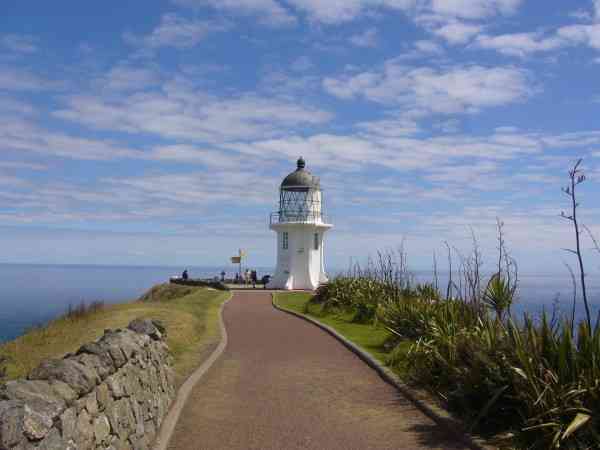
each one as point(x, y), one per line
point(285, 240)
point(316, 241)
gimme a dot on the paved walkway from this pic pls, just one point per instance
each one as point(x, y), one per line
point(284, 384)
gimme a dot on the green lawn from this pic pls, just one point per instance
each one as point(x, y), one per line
point(369, 337)
point(190, 315)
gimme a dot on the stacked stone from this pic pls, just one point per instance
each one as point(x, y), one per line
point(111, 394)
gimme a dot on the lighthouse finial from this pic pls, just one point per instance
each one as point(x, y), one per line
point(301, 163)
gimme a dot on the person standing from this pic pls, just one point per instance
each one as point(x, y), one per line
point(253, 276)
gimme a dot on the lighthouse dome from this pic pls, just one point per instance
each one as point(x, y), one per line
point(301, 178)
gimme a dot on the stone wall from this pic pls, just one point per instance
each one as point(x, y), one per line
point(111, 394)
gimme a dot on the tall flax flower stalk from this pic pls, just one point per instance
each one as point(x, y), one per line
point(576, 177)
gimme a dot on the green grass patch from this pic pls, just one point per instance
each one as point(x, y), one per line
point(190, 315)
point(369, 337)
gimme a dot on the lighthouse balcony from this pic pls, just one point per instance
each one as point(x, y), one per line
point(300, 218)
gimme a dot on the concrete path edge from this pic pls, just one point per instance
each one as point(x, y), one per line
point(168, 424)
point(421, 399)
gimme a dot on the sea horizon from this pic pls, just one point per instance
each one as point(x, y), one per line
point(24, 303)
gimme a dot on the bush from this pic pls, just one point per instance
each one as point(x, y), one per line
point(83, 309)
point(536, 379)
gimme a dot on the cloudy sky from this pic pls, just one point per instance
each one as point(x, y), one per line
point(157, 132)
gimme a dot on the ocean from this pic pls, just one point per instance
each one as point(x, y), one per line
point(34, 294)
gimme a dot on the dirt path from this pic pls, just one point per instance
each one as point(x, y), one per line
point(282, 384)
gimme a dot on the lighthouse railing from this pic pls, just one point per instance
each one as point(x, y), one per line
point(302, 217)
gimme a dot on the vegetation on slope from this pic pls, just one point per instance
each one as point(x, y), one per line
point(189, 314)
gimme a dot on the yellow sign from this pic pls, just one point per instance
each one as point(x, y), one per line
point(242, 253)
point(236, 260)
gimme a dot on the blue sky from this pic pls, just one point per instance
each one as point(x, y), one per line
point(149, 132)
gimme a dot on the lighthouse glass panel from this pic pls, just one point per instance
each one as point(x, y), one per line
point(300, 204)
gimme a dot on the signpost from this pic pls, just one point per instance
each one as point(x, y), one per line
point(238, 260)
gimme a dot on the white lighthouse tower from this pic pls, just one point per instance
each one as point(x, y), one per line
point(300, 227)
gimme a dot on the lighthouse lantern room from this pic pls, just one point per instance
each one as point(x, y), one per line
point(300, 227)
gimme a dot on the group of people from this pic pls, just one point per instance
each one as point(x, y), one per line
point(247, 277)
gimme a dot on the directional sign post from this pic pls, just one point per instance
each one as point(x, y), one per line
point(238, 260)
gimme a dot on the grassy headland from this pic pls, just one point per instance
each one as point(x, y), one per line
point(190, 316)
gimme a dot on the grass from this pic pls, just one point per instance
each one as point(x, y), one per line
point(369, 337)
point(189, 314)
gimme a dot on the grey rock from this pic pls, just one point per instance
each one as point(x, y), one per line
point(119, 444)
point(64, 391)
point(138, 415)
point(91, 404)
point(84, 435)
point(150, 428)
point(121, 418)
point(80, 378)
point(12, 413)
point(36, 425)
point(94, 362)
point(140, 442)
point(71, 445)
point(114, 384)
point(53, 441)
point(68, 424)
point(102, 352)
point(146, 326)
point(38, 394)
point(103, 396)
point(101, 430)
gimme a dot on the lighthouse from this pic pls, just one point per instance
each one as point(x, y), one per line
point(300, 228)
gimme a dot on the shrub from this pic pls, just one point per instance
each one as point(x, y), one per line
point(537, 379)
point(82, 310)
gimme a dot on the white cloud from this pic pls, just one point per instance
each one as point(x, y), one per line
point(339, 11)
point(180, 111)
point(21, 135)
point(430, 47)
point(197, 155)
point(19, 43)
point(123, 78)
point(175, 31)
point(582, 34)
point(368, 38)
point(457, 32)
point(454, 90)
point(520, 44)
point(474, 9)
point(269, 11)
point(393, 126)
point(17, 79)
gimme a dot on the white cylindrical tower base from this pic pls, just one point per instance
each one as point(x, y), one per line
point(299, 256)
